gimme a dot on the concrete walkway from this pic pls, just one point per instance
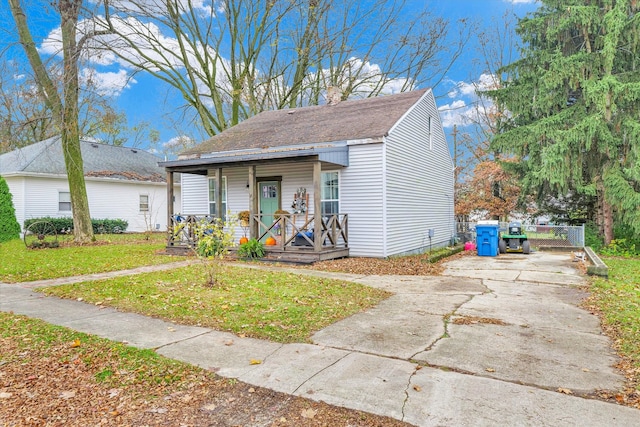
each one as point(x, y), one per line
point(494, 341)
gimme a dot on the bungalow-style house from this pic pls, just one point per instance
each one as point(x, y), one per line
point(122, 183)
point(373, 177)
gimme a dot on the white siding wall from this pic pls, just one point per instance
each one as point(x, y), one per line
point(419, 182)
point(195, 194)
point(107, 199)
point(361, 198)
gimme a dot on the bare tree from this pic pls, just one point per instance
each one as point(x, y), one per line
point(25, 117)
point(64, 106)
point(246, 56)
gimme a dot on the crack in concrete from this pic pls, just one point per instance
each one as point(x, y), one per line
point(446, 318)
point(406, 391)
point(320, 371)
point(182, 340)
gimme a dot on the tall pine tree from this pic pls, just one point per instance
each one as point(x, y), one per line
point(574, 103)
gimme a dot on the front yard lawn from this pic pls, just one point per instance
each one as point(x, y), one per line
point(109, 253)
point(618, 300)
point(277, 306)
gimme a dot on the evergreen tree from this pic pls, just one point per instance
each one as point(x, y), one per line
point(574, 99)
point(9, 228)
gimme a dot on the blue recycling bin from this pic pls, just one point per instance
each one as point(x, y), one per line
point(487, 239)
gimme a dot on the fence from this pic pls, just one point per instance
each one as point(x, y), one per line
point(558, 236)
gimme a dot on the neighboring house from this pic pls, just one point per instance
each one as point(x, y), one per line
point(122, 183)
point(379, 170)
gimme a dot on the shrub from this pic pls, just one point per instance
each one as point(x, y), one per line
point(253, 249)
point(591, 237)
point(65, 225)
point(9, 227)
point(109, 226)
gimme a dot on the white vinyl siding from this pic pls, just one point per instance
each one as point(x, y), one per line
point(419, 182)
point(195, 195)
point(361, 199)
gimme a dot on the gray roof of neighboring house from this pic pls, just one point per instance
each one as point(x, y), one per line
point(370, 118)
point(100, 160)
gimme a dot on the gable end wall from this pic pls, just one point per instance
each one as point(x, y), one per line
point(419, 182)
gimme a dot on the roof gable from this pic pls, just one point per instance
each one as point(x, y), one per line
point(369, 118)
point(100, 160)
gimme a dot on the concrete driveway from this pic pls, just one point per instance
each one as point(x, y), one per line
point(514, 320)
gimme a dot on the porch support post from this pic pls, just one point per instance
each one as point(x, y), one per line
point(170, 196)
point(218, 190)
point(317, 206)
point(253, 203)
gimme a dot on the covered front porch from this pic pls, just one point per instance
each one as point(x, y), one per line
point(299, 236)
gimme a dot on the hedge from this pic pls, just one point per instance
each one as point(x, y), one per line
point(65, 225)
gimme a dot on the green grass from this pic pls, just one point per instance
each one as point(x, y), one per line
point(25, 341)
point(113, 252)
point(619, 299)
point(281, 307)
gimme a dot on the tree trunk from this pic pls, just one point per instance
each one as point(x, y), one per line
point(605, 213)
point(82, 228)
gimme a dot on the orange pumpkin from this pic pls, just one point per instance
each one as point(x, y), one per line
point(244, 240)
point(270, 241)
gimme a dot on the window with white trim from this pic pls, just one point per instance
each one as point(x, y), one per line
point(212, 196)
point(144, 203)
point(330, 199)
point(64, 201)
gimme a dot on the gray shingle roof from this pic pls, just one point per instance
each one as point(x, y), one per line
point(100, 160)
point(347, 120)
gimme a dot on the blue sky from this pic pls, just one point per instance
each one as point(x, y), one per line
point(144, 98)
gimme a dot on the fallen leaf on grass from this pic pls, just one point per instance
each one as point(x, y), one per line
point(75, 343)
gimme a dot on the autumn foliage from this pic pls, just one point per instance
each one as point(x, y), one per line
point(490, 191)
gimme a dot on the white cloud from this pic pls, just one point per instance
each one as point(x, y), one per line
point(106, 83)
point(467, 107)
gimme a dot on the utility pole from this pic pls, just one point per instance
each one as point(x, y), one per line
point(454, 133)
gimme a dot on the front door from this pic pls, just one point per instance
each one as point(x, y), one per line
point(269, 201)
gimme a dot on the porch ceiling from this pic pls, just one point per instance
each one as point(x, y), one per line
point(330, 154)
